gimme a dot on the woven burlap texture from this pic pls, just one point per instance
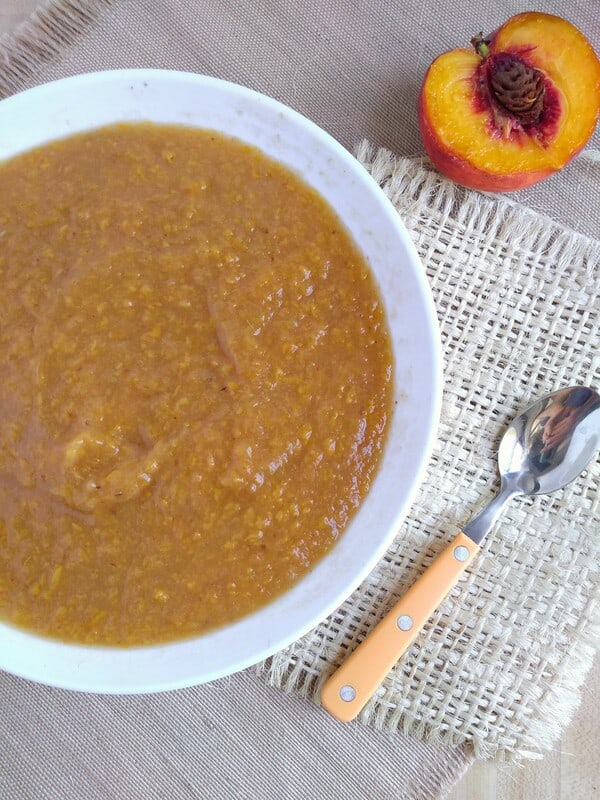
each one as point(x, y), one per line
point(501, 662)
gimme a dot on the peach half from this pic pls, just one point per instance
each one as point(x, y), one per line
point(515, 108)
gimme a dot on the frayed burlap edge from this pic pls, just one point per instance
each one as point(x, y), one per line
point(42, 38)
point(417, 190)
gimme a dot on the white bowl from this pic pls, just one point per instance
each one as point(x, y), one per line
point(75, 104)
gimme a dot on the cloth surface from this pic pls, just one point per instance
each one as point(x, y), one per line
point(234, 739)
point(355, 69)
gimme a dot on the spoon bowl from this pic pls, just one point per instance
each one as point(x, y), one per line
point(551, 442)
point(543, 449)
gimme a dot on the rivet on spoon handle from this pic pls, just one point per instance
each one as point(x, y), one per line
point(348, 690)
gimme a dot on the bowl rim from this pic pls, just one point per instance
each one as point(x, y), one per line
point(118, 678)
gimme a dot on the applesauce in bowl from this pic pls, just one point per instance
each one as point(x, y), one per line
point(221, 380)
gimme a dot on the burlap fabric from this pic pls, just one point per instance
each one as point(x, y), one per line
point(499, 666)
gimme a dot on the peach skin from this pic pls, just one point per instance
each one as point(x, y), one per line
point(543, 449)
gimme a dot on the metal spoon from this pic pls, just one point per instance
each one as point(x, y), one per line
point(543, 449)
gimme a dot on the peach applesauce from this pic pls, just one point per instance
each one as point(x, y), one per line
point(196, 383)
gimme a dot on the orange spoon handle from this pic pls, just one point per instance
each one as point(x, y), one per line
point(351, 686)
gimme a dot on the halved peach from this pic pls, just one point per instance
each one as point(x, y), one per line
point(515, 108)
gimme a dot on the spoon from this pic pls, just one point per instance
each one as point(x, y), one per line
point(543, 449)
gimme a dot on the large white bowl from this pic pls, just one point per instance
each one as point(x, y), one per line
point(75, 104)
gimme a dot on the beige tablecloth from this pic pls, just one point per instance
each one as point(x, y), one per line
point(355, 69)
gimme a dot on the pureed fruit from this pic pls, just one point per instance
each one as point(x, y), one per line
point(197, 377)
point(513, 109)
